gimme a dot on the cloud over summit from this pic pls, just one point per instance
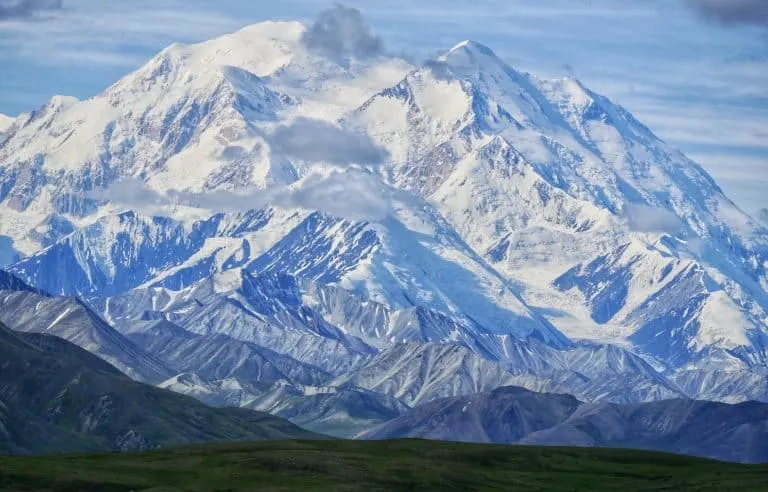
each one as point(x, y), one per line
point(342, 32)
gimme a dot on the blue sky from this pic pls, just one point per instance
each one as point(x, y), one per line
point(698, 83)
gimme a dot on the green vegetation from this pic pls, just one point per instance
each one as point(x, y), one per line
point(58, 397)
point(370, 466)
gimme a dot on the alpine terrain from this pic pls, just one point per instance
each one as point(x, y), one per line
point(337, 238)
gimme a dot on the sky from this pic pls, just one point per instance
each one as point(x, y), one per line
point(694, 71)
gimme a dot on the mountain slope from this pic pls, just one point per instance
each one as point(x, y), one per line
point(68, 318)
point(265, 311)
point(217, 357)
point(419, 373)
point(649, 289)
point(504, 415)
point(715, 430)
point(509, 415)
point(56, 397)
point(537, 175)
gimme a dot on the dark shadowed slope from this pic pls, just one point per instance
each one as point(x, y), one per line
point(23, 308)
point(514, 415)
point(56, 397)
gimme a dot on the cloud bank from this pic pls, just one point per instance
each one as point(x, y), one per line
point(320, 141)
point(734, 11)
point(352, 194)
point(10, 9)
point(342, 32)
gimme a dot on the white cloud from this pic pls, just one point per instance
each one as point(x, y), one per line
point(643, 218)
point(10, 9)
point(350, 194)
point(316, 140)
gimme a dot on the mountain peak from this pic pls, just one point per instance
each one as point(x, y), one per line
point(470, 46)
point(470, 55)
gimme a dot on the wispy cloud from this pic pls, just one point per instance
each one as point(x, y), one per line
point(10, 9)
point(734, 11)
point(315, 140)
point(642, 218)
point(350, 194)
point(114, 34)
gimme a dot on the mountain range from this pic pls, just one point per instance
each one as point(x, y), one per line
point(514, 415)
point(56, 397)
point(340, 240)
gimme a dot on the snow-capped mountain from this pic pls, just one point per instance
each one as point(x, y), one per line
point(193, 118)
point(413, 259)
point(416, 231)
point(644, 289)
point(536, 174)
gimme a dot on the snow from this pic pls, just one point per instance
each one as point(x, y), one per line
point(5, 122)
point(723, 323)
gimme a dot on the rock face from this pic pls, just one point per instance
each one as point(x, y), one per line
point(56, 397)
point(514, 415)
point(460, 226)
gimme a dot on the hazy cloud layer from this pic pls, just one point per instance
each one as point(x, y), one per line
point(128, 191)
point(342, 32)
point(735, 11)
point(320, 141)
point(10, 9)
point(350, 195)
point(440, 70)
point(642, 218)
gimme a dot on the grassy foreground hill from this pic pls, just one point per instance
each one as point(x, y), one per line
point(376, 465)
